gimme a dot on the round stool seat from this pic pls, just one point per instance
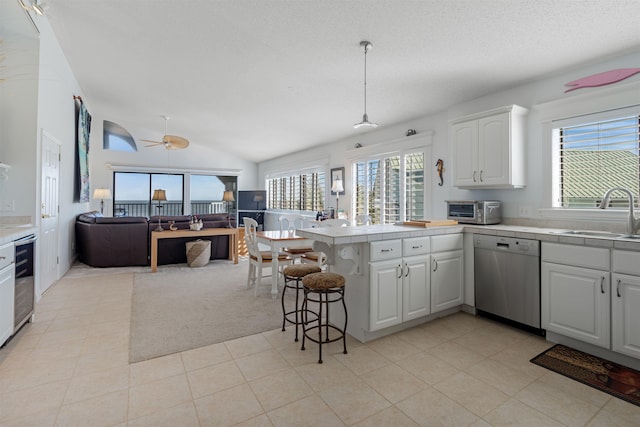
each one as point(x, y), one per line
point(323, 281)
point(300, 270)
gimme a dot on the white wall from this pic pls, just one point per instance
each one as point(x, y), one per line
point(528, 95)
point(56, 117)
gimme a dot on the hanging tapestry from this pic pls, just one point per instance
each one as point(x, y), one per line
point(83, 128)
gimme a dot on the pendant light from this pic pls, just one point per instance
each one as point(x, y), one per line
point(365, 118)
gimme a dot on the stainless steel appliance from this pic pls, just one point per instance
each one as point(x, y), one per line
point(481, 212)
point(507, 278)
point(24, 297)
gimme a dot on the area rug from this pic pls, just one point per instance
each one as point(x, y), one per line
point(181, 308)
point(610, 377)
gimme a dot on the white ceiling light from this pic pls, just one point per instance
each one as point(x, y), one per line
point(365, 118)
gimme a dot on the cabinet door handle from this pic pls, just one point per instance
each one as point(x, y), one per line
point(618, 288)
point(386, 250)
point(480, 176)
point(474, 176)
point(416, 247)
point(408, 269)
point(435, 264)
point(602, 285)
point(399, 269)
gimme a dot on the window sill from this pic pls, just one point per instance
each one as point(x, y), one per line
point(613, 215)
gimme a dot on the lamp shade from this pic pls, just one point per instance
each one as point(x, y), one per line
point(337, 186)
point(227, 196)
point(159, 195)
point(102, 194)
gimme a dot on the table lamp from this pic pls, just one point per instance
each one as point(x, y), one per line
point(102, 194)
point(337, 188)
point(257, 199)
point(228, 197)
point(160, 196)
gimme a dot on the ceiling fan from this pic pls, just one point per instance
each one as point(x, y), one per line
point(170, 142)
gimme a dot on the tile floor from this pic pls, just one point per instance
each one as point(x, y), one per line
point(70, 368)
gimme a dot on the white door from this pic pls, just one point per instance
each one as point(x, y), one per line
point(416, 288)
point(386, 294)
point(575, 302)
point(465, 152)
point(48, 239)
point(493, 149)
point(625, 300)
point(447, 280)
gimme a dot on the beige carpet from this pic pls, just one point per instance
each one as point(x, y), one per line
point(181, 308)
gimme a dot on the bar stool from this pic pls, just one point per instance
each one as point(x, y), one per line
point(292, 276)
point(323, 284)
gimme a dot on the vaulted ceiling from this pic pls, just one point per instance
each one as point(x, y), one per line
point(262, 78)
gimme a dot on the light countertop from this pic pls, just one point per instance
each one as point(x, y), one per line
point(11, 232)
point(370, 233)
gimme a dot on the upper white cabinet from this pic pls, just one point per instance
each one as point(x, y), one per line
point(488, 149)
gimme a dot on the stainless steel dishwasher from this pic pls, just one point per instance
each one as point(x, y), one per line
point(507, 278)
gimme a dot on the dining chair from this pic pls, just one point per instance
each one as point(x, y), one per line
point(258, 259)
point(292, 223)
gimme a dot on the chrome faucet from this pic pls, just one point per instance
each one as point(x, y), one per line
point(633, 223)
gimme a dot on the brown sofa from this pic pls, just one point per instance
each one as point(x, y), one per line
point(125, 241)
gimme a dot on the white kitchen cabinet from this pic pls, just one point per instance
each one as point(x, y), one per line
point(400, 286)
point(7, 290)
point(488, 149)
point(447, 278)
point(386, 294)
point(447, 272)
point(625, 303)
point(575, 292)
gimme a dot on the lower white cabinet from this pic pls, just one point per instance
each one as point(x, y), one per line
point(447, 278)
point(575, 302)
point(400, 287)
point(7, 289)
point(625, 303)
point(575, 292)
point(447, 272)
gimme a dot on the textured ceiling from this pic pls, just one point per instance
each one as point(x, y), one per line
point(262, 78)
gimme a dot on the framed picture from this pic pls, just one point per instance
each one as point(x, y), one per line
point(337, 174)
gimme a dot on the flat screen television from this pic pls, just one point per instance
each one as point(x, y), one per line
point(255, 200)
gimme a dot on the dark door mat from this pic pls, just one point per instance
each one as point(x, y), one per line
point(610, 377)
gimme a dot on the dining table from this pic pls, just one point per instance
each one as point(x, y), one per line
point(278, 240)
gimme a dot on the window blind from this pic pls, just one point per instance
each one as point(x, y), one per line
point(597, 155)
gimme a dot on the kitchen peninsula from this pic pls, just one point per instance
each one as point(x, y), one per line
point(397, 276)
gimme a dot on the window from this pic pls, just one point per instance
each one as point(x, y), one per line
point(595, 153)
point(303, 191)
point(116, 138)
point(187, 193)
point(389, 189)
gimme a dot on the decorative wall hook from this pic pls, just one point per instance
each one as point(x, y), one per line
point(440, 169)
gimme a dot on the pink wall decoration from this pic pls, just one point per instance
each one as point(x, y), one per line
point(602, 79)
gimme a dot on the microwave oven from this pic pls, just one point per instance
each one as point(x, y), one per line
point(481, 212)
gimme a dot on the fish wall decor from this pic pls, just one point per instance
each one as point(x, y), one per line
point(602, 79)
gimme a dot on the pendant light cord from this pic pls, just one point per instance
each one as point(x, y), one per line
point(365, 79)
